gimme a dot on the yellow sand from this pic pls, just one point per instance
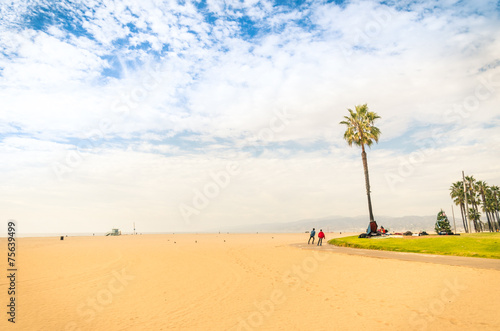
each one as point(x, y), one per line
point(248, 282)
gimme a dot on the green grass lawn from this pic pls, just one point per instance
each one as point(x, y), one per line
point(473, 245)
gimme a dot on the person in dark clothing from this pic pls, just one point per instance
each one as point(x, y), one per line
point(321, 235)
point(313, 233)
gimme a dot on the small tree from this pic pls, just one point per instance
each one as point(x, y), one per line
point(442, 223)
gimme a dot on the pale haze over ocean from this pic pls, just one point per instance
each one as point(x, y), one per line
point(205, 115)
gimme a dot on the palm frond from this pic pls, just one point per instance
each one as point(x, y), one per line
point(360, 126)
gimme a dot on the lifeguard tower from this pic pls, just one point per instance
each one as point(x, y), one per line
point(114, 232)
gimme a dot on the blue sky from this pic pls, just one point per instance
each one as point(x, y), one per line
point(116, 112)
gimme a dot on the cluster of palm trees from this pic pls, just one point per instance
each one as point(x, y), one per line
point(470, 194)
point(477, 195)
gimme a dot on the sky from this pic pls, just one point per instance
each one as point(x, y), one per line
point(198, 115)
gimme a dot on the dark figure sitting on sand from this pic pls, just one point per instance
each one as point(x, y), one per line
point(321, 235)
point(313, 233)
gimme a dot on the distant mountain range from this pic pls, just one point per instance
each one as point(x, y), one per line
point(344, 224)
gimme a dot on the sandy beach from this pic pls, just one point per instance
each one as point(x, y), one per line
point(237, 282)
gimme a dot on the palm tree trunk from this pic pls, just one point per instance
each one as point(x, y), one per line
point(462, 208)
point(490, 227)
point(496, 208)
point(493, 223)
point(479, 223)
point(367, 182)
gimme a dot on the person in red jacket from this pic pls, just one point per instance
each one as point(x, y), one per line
point(321, 235)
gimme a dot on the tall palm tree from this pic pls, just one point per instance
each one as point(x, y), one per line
point(457, 194)
point(490, 207)
point(472, 197)
point(360, 132)
point(495, 191)
point(482, 188)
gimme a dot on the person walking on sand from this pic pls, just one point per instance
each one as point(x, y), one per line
point(313, 233)
point(321, 235)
